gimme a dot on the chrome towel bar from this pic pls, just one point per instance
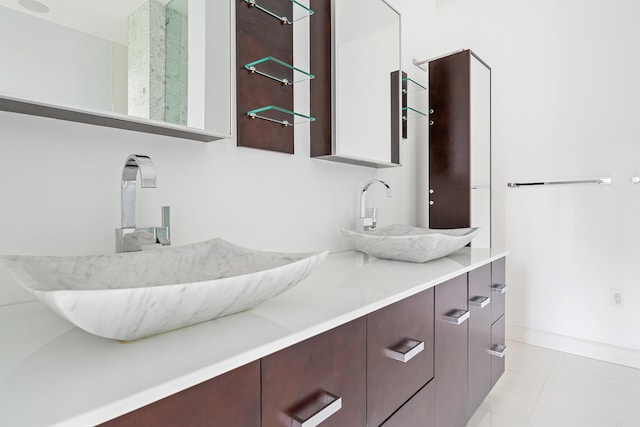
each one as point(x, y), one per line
point(585, 181)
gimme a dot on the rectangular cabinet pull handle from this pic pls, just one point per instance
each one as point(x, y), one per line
point(322, 408)
point(457, 317)
point(498, 350)
point(405, 350)
point(500, 289)
point(479, 301)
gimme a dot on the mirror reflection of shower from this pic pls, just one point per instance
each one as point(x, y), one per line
point(158, 61)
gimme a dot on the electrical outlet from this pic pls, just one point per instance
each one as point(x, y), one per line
point(617, 297)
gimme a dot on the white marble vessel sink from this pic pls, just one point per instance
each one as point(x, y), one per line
point(406, 243)
point(136, 295)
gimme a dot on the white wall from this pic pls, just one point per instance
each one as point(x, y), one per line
point(60, 183)
point(565, 93)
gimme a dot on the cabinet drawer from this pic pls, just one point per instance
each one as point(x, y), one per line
point(307, 379)
point(418, 411)
point(479, 359)
point(498, 280)
point(498, 347)
point(451, 344)
point(399, 354)
point(231, 399)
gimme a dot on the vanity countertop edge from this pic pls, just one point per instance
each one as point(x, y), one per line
point(52, 373)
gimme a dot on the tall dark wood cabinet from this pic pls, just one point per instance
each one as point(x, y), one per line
point(460, 144)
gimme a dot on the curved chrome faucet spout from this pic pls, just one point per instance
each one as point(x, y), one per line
point(129, 237)
point(132, 165)
point(365, 222)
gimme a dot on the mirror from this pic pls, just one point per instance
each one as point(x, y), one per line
point(366, 83)
point(140, 64)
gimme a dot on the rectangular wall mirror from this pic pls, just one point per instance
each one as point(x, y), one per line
point(365, 82)
point(158, 66)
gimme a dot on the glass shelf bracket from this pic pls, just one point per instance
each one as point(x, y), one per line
point(299, 11)
point(279, 115)
point(410, 86)
point(278, 70)
point(409, 113)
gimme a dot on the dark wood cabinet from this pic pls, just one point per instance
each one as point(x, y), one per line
point(479, 359)
point(399, 354)
point(460, 144)
point(427, 360)
point(231, 399)
point(307, 377)
point(451, 328)
point(418, 411)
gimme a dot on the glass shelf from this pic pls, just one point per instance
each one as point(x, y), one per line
point(299, 11)
point(278, 70)
point(280, 116)
point(409, 113)
point(411, 86)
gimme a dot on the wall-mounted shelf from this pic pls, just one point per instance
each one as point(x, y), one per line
point(411, 86)
point(278, 70)
point(299, 11)
point(279, 115)
point(409, 113)
point(411, 92)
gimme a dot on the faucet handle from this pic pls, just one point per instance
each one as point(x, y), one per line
point(163, 233)
point(374, 217)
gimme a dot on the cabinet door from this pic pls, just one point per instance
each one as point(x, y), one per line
point(479, 359)
point(451, 330)
point(498, 284)
point(321, 378)
point(498, 347)
point(232, 399)
point(418, 411)
point(449, 138)
point(399, 354)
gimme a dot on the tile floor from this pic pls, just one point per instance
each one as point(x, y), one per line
point(547, 388)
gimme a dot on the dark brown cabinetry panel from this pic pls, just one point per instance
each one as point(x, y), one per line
point(333, 362)
point(232, 399)
point(320, 47)
point(391, 382)
point(450, 354)
point(449, 136)
point(497, 338)
point(259, 35)
point(416, 412)
point(498, 299)
point(479, 360)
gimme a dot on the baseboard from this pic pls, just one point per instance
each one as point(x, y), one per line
point(591, 349)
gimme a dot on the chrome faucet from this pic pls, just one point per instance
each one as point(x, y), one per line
point(130, 238)
point(369, 222)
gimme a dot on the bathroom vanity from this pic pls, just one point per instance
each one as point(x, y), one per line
point(361, 342)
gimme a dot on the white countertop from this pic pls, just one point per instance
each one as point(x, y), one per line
point(52, 373)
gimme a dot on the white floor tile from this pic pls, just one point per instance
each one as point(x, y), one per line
point(498, 420)
point(482, 417)
point(546, 388)
point(610, 370)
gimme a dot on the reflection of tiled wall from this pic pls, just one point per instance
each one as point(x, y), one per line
point(176, 67)
point(147, 61)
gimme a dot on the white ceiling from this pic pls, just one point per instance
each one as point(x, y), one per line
point(104, 19)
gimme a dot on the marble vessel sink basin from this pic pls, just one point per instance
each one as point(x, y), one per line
point(406, 243)
point(136, 295)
